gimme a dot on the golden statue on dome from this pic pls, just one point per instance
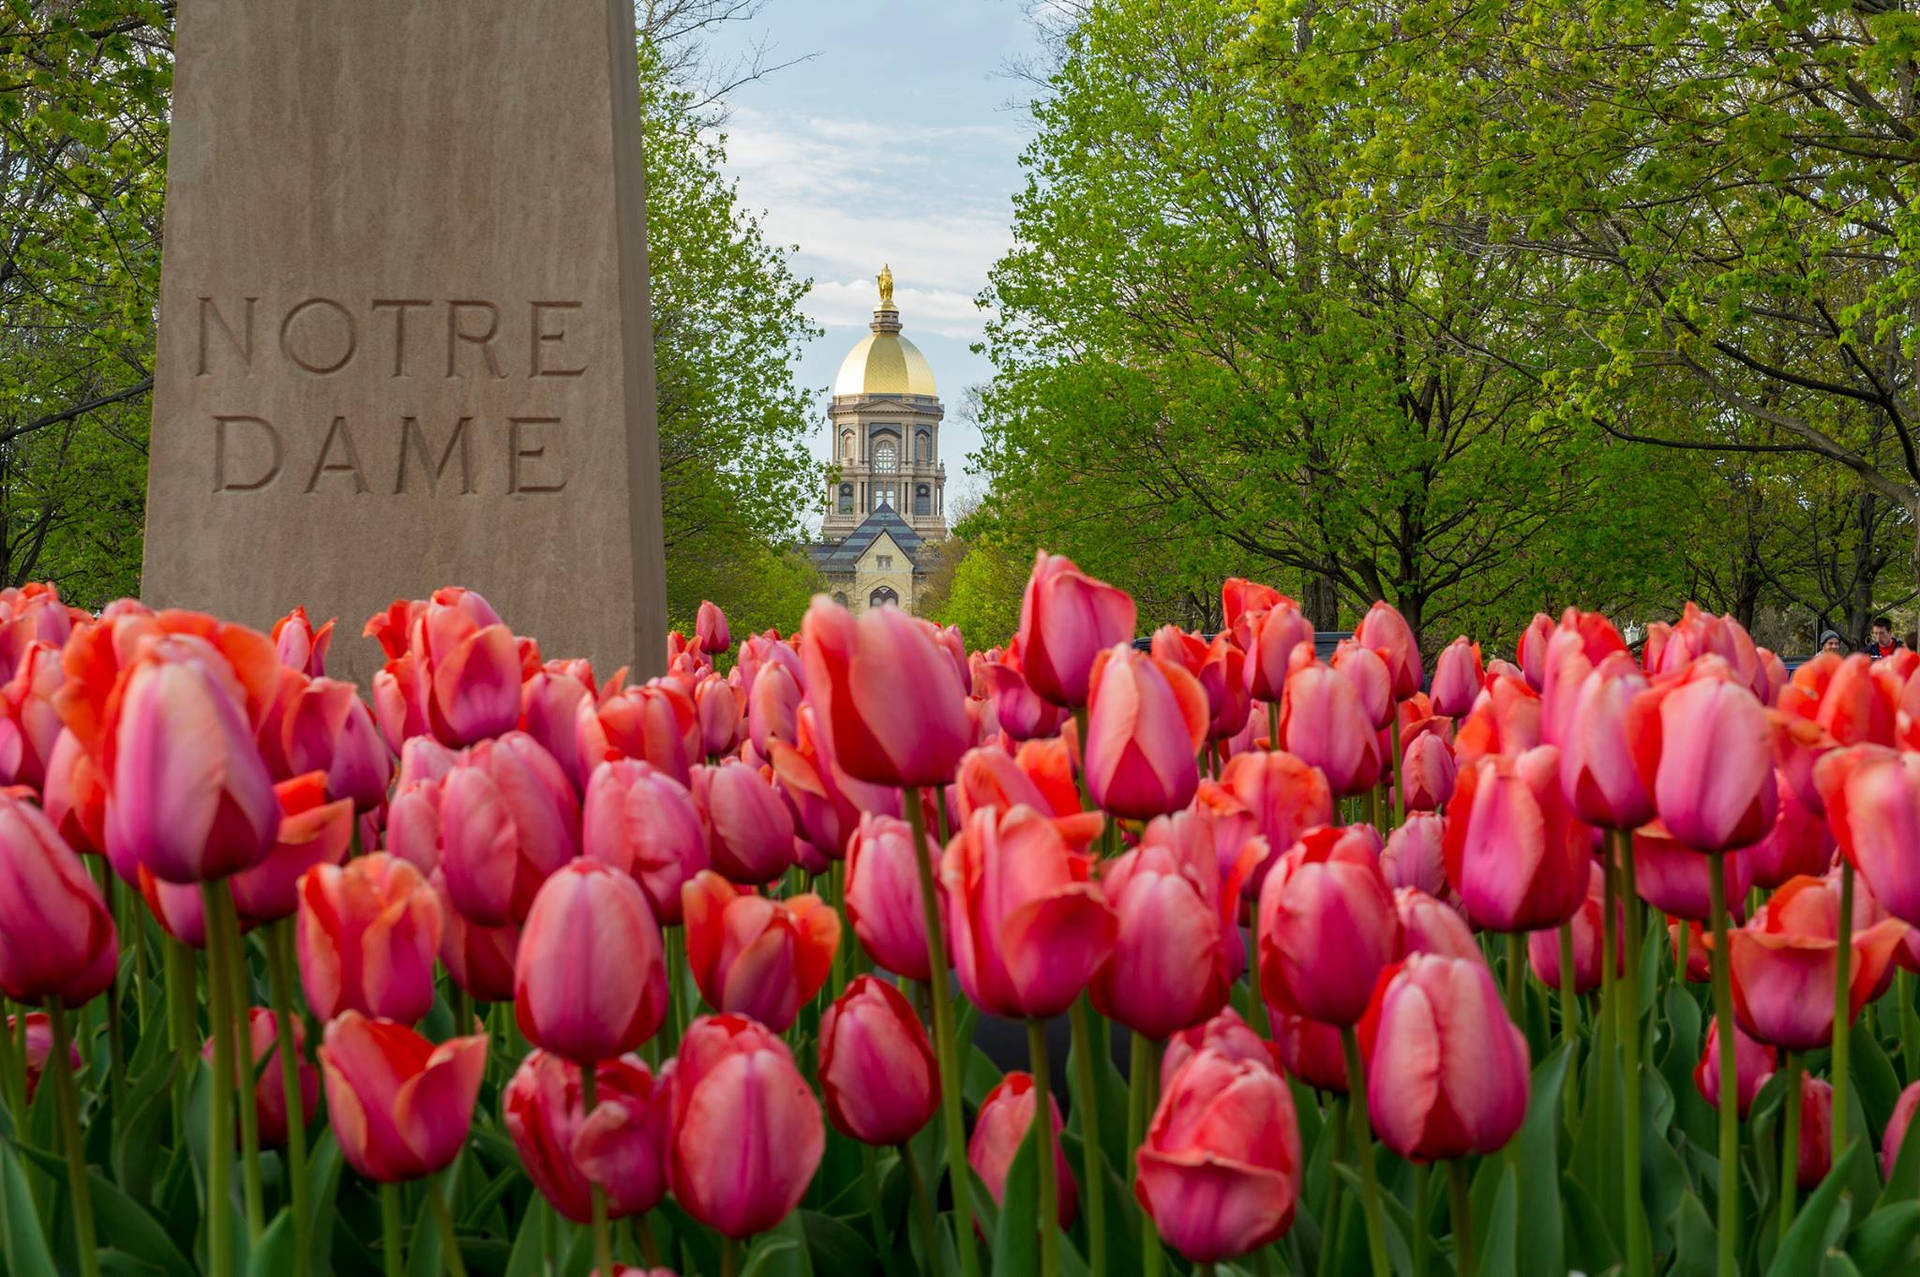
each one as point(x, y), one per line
point(886, 287)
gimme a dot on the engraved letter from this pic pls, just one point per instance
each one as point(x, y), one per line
point(517, 449)
point(221, 483)
point(351, 465)
point(414, 439)
point(346, 337)
point(541, 338)
point(400, 307)
point(242, 344)
point(457, 332)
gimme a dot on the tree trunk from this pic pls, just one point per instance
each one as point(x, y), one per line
point(1321, 602)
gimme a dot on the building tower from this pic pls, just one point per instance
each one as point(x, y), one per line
point(886, 488)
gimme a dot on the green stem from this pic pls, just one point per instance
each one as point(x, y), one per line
point(1049, 1211)
point(922, 1211)
point(1273, 724)
point(602, 1235)
point(1842, 1014)
point(278, 942)
point(1570, 1023)
point(943, 1040)
point(235, 960)
point(392, 1256)
point(1639, 1240)
point(1363, 1150)
point(13, 1072)
point(1421, 1208)
point(1516, 978)
point(1728, 1205)
point(116, 1030)
point(1790, 1146)
point(1609, 945)
point(837, 888)
point(456, 1265)
point(66, 1094)
point(1909, 1023)
point(674, 941)
point(1399, 780)
point(177, 968)
point(1095, 1159)
point(729, 1257)
point(220, 1096)
point(1329, 1227)
point(1462, 1206)
point(649, 1245)
point(876, 1215)
point(1143, 1097)
point(1257, 1003)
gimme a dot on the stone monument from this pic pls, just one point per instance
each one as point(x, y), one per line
point(404, 332)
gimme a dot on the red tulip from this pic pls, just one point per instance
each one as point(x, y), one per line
point(39, 1039)
point(1543, 947)
point(1428, 925)
point(1327, 925)
point(1027, 926)
point(1597, 769)
point(1699, 634)
point(367, 933)
point(643, 822)
point(269, 1088)
point(301, 647)
point(883, 900)
point(1323, 723)
point(1704, 750)
point(1816, 1132)
point(657, 722)
point(1753, 1064)
point(1515, 853)
point(57, 938)
point(478, 959)
point(1427, 773)
point(1145, 720)
point(551, 703)
point(1311, 1050)
point(1896, 1132)
point(508, 819)
point(567, 1150)
point(1220, 1169)
point(1446, 1069)
point(590, 978)
point(887, 693)
point(399, 1105)
point(327, 728)
point(1457, 676)
point(877, 1072)
point(1580, 642)
point(1799, 843)
point(998, 1131)
point(1784, 962)
point(187, 793)
point(710, 627)
point(1285, 795)
point(1066, 619)
point(1173, 960)
point(1415, 855)
point(1505, 719)
point(989, 777)
point(749, 826)
point(754, 956)
point(1872, 797)
point(1225, 1034)
point(747, 1133)
point(773, 708)
point(312, 832)
point(1677, 880)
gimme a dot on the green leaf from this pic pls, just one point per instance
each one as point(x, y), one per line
point(1541, 1245)
point(1695, 1238)
point(781, 1251)
point(26, 1249)
point(273, 1254)
point(1821, 1222)
point(1498, 1243)
point(835, 1248)
point(1589, 1248)
point(1873, 1076)
point(1883, 1241)
point(1016, 1248)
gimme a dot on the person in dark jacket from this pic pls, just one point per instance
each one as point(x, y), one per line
point(1883, 644)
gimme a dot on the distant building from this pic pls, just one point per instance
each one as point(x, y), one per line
point(886, 488)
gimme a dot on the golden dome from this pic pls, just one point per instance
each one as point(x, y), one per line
point(885, 363)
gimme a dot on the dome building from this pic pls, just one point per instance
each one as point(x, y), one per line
point(886, 488)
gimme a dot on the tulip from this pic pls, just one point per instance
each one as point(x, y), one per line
point(753, 956)
point(1457, 676)
point(301, 647)
point(270, 1090)
point(38, 1035)
point(1816, 1133)
point(75, 797)
point(1038, 778)
point(877, 1070)
point(643, 822)
point(470, 679)
point(1240, 598)
point(1543, 947)
point(1896, 1132)
point(1704, 751)
point(1225, 1034)
point(1323, 723)
point(367, 933)
point(1415, 854)
point(1220, 1169)
point(1872, 798)
point(887, 694)
point(1311, 1050)
point(747, 1133)
point(1447, 1073)
point(1754, 1063)
point(1327, 925)
point(1285, 795)
point(710, 627)
point(1145, 720)
point(1697, 955)
point(1783, 963)
point(718, 709)
point(1027, 925)
point(590, 979)
point(1367, 670)
point(1678, 880)
point(1272, 639)
point(57, 938)
point(1386, 631)
point(478, 959)
point(1515, 853)
point(328, 728)
point(508, 819)
point(1505, 719)
point(1428, 773)
point(312, 832)
point(882, 898)
point(773, 708)
point(187, 793)
point(551, 703)
point(566, 1150)
point(1066, 619)
point(1220, 669)
point(657, 722)
point(749, 827)
point(179, 909)
point(399, 1105)
point(1531, 651)
point(1428, 925)
point(998, 1132)
point(1799, 843)
point(1854, 708)
point(1597, 769)
point(1173, 960)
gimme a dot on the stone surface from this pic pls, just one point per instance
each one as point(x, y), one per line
point(404, 333)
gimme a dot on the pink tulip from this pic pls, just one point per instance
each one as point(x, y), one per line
point(470, 684)
point(1428, 925)
point(1597, 769)
point(551, 703)
point(1327, 925)
point(1273, 638)
point(883, 899)
point(1415, 855)
point(645, 824)
point(301, 647)
point(1816, 1133)
point(1753, 1064)
point(312, 832)
point(773, 708)
point(877, 1072)
point(710, 627)
point(749, 826)
point(367, 935)
point(1872, 797)
point(269, 1088)
point(57, 937)
point(1367, 670)
point(719, 712)
point(1446, 1070)
point(1799, 843)
point(1784, 963)
point(1285, 795)
point(1677, 880)
point(1505, 719)
point(754, 956)
point(998, 1132)
point(590, 980)
point(1145, 720)
point(38, 1035)
point(1323, 723)
point(1531, 651)
point(1456, 678)
point(1066, 619)
point(478, 959)
point(1428, 774)
point(1225, 1034)
point(620, 1145)
point(1311, 1050)
point(657, 722)
point(1543, 947)
point(1704, 750)
point(1896, 1132)
point(399, 1105)
point(886, 693)
point(327, 728)
point(747, 1133)
point(1386, 631)
point(508, 819)
point(1515, 853)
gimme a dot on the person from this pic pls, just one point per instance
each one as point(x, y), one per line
point(1830, 641)
point(1883, 643)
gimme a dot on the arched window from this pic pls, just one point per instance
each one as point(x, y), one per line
point(883, 597)
point(846, 498)
point(922, 500)
point(884, 456)
point(883, 495)
point(923, 447)
point(840, 597)
point(846, 445)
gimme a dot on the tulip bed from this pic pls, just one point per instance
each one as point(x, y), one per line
point(510, 969)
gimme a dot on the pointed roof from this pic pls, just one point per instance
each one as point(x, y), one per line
point(845, 555)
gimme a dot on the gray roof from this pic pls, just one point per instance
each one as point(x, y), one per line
point(844, 556)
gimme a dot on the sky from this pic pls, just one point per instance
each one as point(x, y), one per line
point(897, 141)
